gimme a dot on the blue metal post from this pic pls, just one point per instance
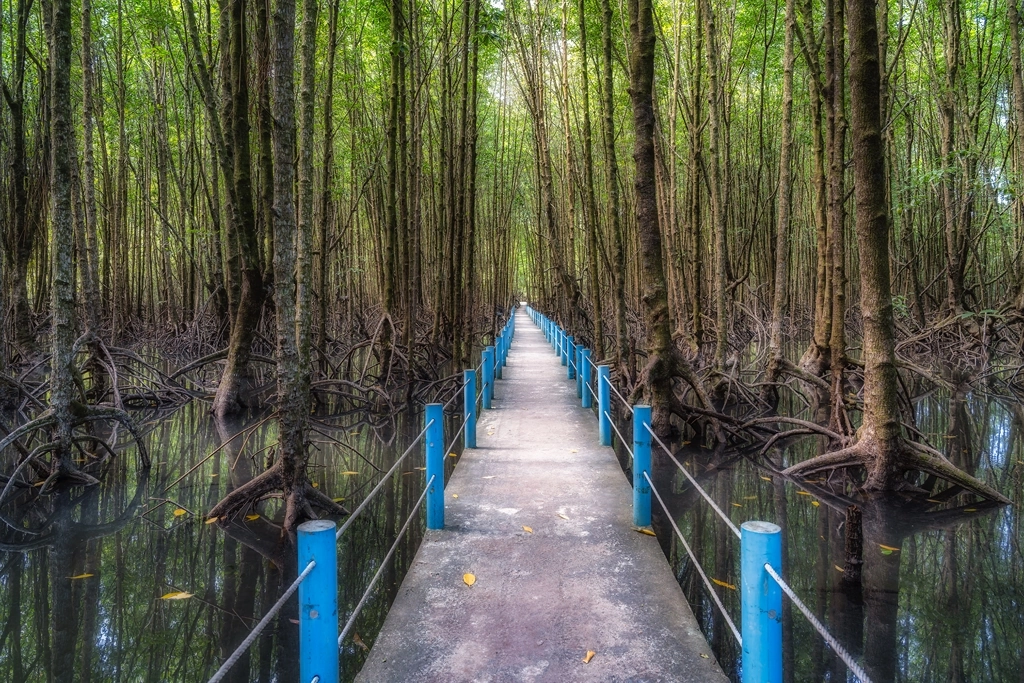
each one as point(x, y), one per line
point(641, 464)
point(499, 352)
point(434, 418)
point(469, 406)
point(585, 373)
point(570, 358)
point(579, 370)
point(604, 405)
point(318, 602)
point(488, 376)
point(761, 602)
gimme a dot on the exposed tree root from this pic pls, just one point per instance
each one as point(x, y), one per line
point(909, 457)
point(300, 497)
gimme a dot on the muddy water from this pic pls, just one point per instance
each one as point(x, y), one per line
point(81, 592)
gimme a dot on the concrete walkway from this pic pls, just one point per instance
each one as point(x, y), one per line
point(582, 580)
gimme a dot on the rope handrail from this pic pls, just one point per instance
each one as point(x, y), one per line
point(855, 668)
point(376, 577)
point(700, 489)
point(249, 639)
point(611, 386)
point(696, 564)
point(380, 484)
point(456, 437)
point(621, 438)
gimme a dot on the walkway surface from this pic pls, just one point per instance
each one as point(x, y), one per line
point(583, 580)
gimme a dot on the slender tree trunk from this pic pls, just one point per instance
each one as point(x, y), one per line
point(1017, 76)
point(947, 149)
point(781, 300)
point(593, 256)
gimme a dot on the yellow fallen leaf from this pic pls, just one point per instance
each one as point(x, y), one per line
point(214, 475)
point(453, 455)
point(767, 478)
point(337, 500)
point(359, 641)
point(176, 595)
point(838, 568)
point(354, 432)
point(455, 495)
point(644, 530)
point(488, 477)
point(469, 579)
point(179, 512)
point(749, 497)
point(574, 450)
point(723, 584)
point(737, 505)
point(590, 655)
point(970, 509)
point(815, 503)
point(889, 548)
point(80, 576)
point(528, 529)
point(316, 485)
point(211, 520)
point(562, 516)
point(421, 469)
point(251, 518)
point(802, 493)
point(704, 656)
point(350, 473)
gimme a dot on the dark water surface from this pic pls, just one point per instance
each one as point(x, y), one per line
point(941, 602)
point(85, 595)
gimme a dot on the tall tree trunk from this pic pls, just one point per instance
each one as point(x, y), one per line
point(785, 201)
point(947, 150)
point(1017, 76)
point(623, 348)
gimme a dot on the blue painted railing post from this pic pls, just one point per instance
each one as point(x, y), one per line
point(579, 370)
point(604, 404)
point(434, 418)
point(570, 358)
point(488, 376)
point(585, 378)
point(469, 406)
point(761, 602)
point(641, 464)
point(499, 352)
point(318, 602)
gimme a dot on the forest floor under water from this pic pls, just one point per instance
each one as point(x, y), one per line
point(142, 588)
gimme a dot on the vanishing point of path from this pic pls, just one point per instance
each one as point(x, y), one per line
point(582, 580)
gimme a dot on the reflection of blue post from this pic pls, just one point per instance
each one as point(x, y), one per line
point(585, 378)
point(761, 602)
point(563, 351)
point(435, 465)
point(641, 464)
point(508, 343)
point(469, 406)
point(604, 405)
point(570, 358)
point(488, 376)
point(318, 602)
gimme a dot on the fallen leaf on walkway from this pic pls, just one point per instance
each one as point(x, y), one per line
point(455, 495)
point(562, 516)
point(359, 641)
point(469, 579)
point(80, 576)
point(179, 512)
point(528, 529)
point(590, 655)
point(574, 450)
point(644, 530)
point(704, 656)
point(251, 518)
point(488, 477)
point(176, 595)
point(723, 584)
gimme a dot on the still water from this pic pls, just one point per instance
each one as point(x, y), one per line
point(940, 598)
